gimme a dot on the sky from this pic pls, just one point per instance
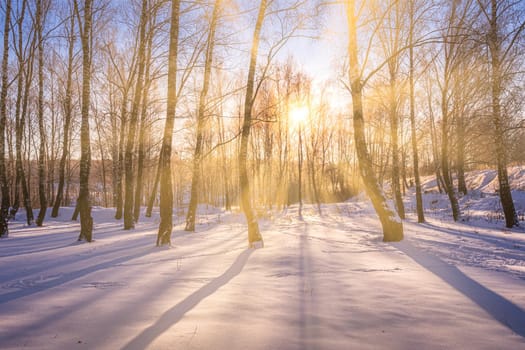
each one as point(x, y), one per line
point(322, 57)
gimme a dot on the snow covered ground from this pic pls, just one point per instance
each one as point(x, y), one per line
point(323, 281)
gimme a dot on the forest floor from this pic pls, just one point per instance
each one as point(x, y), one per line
point(324, 280)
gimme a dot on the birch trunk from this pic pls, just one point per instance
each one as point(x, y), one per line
point(201, 120)
point(253, 226)
point(68, 114)
point(511, 218)
point(86, 221)
point(4, 209)
point(166, 184)
point(390, 221)
point(133, 121)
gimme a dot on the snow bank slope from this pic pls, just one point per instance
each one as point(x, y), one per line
point(482, 205)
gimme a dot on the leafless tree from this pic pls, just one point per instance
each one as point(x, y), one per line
point(4, 209)
point(85, 30)
point(392, 225)
point(166, 185)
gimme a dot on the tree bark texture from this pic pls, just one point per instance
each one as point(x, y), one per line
point(511, 217)
point(120, 163)
point(4, 209)
point(40, 108)
point(445, 168)
point(166, 184)
point(86, 221)
point(254, 234)
point(25, 67)
point(394, 136)
point(68, 114)
point(415, 156)
point(201, 120)
point(390, 221)
point(133, 121)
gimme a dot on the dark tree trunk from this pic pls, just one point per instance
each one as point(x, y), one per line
point(390, 221)
point(68, 114)
point(415, 156)
point(435, 147)
point(404, 183)
point(166, 185)
point(154, 191)
point(102, 162)
point(4, 209)
point(23, 83)
point(120, 163)
point(451, 60)
point(141, 155)
point(74, 217)
point(86, 221)
point(511, 217)
point(41, 127)
point(445, 169)
point(201, 120)
point(253, 226)
point(24, 181)
point(394, 130)
point(133, 121)
point(114, 155)
point(460, 155)
point(18, 103)
point(143, 122)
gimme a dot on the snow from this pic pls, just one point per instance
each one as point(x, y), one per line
point(482, 205)
point(322, 281)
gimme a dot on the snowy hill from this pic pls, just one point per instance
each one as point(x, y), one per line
point(485, 181)
point(481, 206)
point(323, 281)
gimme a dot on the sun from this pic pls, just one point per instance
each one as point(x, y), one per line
point(299, 114)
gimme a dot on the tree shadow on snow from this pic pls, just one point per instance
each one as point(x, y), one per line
point(501, 309)
point(177, 312)
point(42, 284)
point(468, 231)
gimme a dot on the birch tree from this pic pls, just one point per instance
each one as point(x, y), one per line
point(39, 25)
point(4, 209)
point(454, 34)
point(68, 116)
point(201, 120)
point(133, 120)
point(501, 40)
point(254, 234)
point(390, 221)
point(24, 50)
point(166, 184)
point(413, 135)
point(86, 221)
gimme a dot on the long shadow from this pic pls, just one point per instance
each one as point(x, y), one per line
point(61, 234)
point(18, 252)
point(501, 309)
point(306, 281)
point(23, 245)
point(303, 241)
point(177, 312)
point(508, 253)
point(43, 266)
point(70, 276)
point(505, 241)
point(144, 241)
point(40, 323)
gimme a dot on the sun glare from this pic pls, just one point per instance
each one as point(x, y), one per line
point(299, 114)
